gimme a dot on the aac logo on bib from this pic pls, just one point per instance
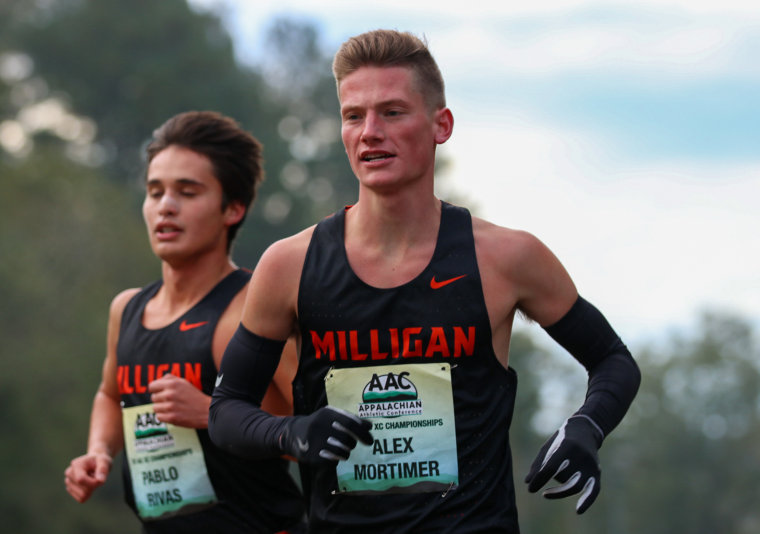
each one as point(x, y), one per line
point(390, 395)
point(150, 433)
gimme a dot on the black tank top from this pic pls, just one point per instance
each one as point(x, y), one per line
point(346, 323)
point(254, 496)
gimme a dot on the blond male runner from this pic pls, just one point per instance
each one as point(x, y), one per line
point(403, 306)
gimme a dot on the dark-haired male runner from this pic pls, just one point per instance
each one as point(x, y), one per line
point(165, 342)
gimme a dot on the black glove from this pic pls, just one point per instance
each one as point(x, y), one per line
point(327, 435)
point(570, 457)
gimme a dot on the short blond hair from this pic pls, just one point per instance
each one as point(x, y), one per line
point(390, 48)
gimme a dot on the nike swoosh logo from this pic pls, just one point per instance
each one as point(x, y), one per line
point(302, 445)
point(184, 326)
point(438, 285)
point(218, 380)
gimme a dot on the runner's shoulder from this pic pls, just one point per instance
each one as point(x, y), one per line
point(120, 301)
point(501, 244)
point(284, 253)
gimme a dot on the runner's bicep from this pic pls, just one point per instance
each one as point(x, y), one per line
point(109, 384)
point(545, 290)
point(270, 306)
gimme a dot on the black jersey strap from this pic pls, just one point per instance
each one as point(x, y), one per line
point(227, 288)
point(614, 377)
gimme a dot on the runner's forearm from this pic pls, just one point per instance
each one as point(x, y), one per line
point(244, 429)
point(614, 377)
point(236, 421)
point(106, 432)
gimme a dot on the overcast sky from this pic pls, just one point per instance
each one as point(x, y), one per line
point(624, 134)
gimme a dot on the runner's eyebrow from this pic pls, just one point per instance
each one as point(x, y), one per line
point(179, 181)
point(399, 102)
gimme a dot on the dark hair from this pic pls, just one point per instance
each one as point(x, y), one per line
point(234, 153)
point(390, 48)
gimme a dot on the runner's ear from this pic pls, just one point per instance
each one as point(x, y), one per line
point(234, 213)
point(444, 125)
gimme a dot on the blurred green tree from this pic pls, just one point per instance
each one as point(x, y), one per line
point(60, 224)
point(698, 423)
point(129, 66)
point(311, 177)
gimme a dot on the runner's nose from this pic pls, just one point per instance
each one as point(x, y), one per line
point(168, 204)
point(372, 128)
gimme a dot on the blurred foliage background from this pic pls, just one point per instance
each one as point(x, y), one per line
point(82, 85)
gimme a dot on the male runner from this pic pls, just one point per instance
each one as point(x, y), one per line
point(403, 306)
point(165, 342)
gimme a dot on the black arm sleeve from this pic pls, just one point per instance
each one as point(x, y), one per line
point(236, 421)
point(614, 377)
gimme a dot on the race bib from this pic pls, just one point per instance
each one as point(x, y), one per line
point(412, 412)
point(166, 462)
